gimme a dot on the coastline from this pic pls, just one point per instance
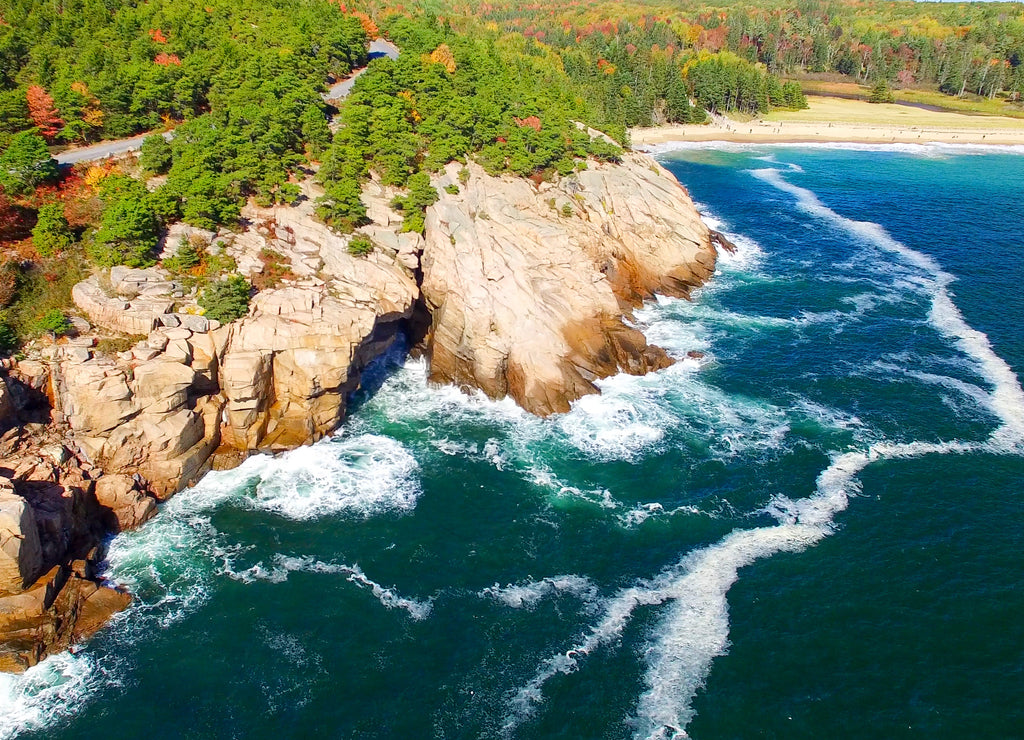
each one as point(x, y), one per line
point(835, 121)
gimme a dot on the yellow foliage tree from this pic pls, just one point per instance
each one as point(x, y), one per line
point(443, 55)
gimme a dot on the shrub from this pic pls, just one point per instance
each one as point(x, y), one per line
point(360, 245)
point(602, 150)
point(414, 222)
point(8, 338)
point(26, 163)
point(275, 269)
point(9, 273)
point(566, 210)
point(53, 321)
point(880, 92)
point(451, 189)
point(113, 345)
point(187, 257)
point(464, 175)
point(226, 300)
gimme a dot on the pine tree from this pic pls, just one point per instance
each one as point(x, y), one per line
point(51, 233)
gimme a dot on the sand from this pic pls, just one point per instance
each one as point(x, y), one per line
point(839, 120)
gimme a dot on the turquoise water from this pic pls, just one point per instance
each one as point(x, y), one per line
point(816, 531)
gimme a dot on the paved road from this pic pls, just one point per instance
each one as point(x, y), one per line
point(378, 48)
point(103, 150)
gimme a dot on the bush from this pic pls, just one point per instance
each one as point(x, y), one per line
point(113, 345)
point(42, 287)
point(566, 210)
point(360, 245)
point(451, 189)
point(275, 269)
point(414, 205)
point(187, 257)
point(226, 300)
point(53, 321)
point(9, 274)
point(414, 222)
point(602, 150)
point(8, 338)
point(51, 233)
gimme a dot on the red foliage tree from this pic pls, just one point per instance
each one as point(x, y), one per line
point(528, 122)
point(166, 60)
point(43, 112)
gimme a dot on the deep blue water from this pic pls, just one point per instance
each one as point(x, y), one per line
point(816, 531)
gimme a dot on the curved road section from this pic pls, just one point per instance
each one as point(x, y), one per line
point(378, 48)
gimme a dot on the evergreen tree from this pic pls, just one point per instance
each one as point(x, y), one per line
point(880, 92)
point(127, 234)
point(26, 163)
point(51, 233)
point(155, 154)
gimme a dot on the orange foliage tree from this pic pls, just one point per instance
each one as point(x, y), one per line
point(43, 112)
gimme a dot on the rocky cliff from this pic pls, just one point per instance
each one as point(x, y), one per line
point(529, 288)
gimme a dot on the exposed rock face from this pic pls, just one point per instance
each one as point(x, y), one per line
point(273, 380)
point(51, 533)
point(21, 556)
point(288, 367)
point(61, 608)
point(528, 287)
point(133, 303)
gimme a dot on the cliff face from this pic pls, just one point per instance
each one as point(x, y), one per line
point(529, 287)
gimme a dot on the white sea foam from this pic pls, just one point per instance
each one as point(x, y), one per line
point(43, 695)
point(364, 475)
point(170, 563)
point(527, 595)
point(637, 515)
point(969, 390)
point(1006, 399)
point(695, 628)
point(748, 254)
point(283, 565)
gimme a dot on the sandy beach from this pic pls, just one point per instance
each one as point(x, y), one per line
point(840, 120)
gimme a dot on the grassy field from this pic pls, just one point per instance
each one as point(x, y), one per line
point(842, 110)
point(970, 104)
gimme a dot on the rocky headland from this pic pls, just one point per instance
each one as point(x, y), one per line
point(519, 288)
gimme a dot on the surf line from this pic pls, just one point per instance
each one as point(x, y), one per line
point(695, 629)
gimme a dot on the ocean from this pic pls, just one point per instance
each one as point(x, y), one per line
point(815, 530)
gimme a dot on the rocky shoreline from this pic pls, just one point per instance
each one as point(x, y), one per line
point(518, 288)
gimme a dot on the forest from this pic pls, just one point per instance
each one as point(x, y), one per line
point(238, 85)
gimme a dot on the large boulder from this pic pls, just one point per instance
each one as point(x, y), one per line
point(528, 287)
point(21, 555)
point(128, 507)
